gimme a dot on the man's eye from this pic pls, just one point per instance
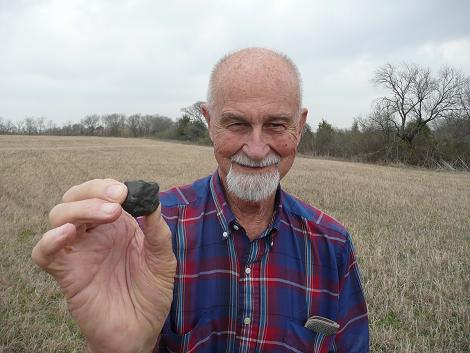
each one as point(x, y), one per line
point(276, 126)
point(237, 125)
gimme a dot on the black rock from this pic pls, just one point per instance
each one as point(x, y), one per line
point(142, 198)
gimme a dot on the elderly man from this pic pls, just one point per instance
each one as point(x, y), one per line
point(235, 264)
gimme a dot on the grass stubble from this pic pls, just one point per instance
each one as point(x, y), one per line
point(410, 227)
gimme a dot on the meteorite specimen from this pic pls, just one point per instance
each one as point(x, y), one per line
point(142, 198)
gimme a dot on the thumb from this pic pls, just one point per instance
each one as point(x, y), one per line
point(158, 237)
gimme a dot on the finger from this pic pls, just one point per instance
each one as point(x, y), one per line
point(157, 235)
point(93, 211)
point(105, 189)
point(51, 243)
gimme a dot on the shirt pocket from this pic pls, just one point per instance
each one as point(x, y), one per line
point(205, 336)
point(304, 340)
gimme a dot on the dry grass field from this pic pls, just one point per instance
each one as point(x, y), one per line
point(411, 229)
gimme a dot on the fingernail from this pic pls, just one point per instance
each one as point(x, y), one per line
point(114, 191)
point(109, 208)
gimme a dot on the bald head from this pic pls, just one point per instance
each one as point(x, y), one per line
point(261, 67)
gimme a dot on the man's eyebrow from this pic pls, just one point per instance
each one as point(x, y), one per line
point(232, 116)
point(282, 117)
point(229, 117)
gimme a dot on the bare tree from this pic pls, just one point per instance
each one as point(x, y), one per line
point(465, 101)
point(51, 127)
point(91, 123)
point(146, 125)
point(161, 124)
point(194, 113)
point(114, 123)
point(30, 126)
point(10, 127)
point(134, 124)
point(41, 124)
point(416, 97)
point(20, 126)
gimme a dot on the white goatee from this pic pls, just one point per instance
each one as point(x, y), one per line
point(253, 187)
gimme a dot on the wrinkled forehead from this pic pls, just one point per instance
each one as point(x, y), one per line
point(256, 77)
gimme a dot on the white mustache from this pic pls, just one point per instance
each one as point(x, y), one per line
point(244, 160)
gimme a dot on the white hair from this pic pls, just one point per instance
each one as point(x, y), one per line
point(213, 90)
point(257, 186)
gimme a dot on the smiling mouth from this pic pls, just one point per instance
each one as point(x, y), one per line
point(256, 167)
point(241, 159)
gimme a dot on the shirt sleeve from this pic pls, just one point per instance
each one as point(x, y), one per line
point(353, 333)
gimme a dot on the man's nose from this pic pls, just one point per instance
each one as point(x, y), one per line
point(255, 146)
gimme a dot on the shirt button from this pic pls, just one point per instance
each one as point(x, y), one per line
point(247, 321)
point(235, 227)
point(225, 235)
point(247, 270)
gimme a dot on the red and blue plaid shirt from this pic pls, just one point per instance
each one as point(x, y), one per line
point(236, 295)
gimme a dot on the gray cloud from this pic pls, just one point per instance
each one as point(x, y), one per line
point(66, 59)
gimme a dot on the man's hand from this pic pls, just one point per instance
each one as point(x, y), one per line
point(117, 280)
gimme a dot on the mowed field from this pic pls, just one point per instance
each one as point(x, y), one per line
point(410, 227)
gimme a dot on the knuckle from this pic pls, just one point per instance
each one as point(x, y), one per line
point(92, 183)
point(67, 194)
point(167, 238)
point(53, 213)
point(36, 256)
point(110, 180)
point(96, 182)
point(90, 187)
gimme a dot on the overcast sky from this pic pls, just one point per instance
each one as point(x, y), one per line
point(65, 59)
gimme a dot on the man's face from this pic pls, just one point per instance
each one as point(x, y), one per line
point(253, 121)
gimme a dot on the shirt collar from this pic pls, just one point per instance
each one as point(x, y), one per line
point(225, 214)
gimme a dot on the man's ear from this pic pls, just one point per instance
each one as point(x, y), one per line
point(205, 112)
point(302, 120)
point(207, 116)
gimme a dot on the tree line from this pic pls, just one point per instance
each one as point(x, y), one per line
point(188, 127)
point(423, 119)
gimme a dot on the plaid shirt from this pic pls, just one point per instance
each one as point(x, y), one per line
point(236, 295)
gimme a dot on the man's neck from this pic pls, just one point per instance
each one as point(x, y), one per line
point(254, 217)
